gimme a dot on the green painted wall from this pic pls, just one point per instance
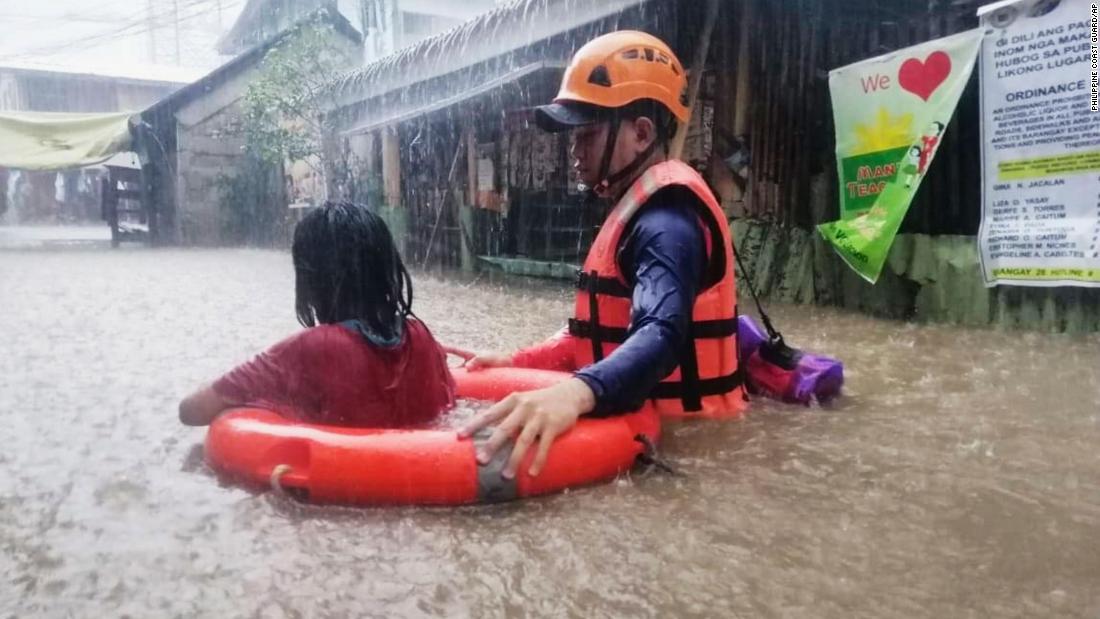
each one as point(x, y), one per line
point(397, 220)
point(927, 278)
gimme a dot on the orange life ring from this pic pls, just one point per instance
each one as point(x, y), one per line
point(328, 464)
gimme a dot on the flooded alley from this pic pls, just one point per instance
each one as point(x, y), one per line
point(912, 186)
point(955, 478)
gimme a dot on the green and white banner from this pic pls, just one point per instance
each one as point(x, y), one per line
point(890, 114)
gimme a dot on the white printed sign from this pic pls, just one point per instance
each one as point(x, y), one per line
point(1040, 144)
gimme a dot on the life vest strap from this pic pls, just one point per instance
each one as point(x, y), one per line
point(714, 329)
point(594, 313)
point(584, 329)
point(690, 396)
point(700, 330)
point(706, 386)
point(609, 286)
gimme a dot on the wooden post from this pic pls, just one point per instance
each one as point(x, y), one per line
point(696, 78)
point(149, 205)
point(109, 205)
point(370, 156)
point(466, 211)
point(391, 167)
point(744, 67)
point(448, 195)
point(3, 191)
point(471, 164)
point(361, 163)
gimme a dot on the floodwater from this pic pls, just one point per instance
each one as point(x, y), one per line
point(958, 476)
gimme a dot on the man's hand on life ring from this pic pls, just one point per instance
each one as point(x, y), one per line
point(488, 360)
point(474, 361)
point(531, 416)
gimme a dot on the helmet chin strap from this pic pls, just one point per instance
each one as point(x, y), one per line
point(603, 188)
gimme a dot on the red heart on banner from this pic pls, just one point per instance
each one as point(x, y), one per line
point(923, 78)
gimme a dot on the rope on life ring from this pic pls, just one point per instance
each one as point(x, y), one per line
point(649, 458)
point(277, 477)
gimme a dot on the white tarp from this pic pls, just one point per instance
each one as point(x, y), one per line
point(56, 141)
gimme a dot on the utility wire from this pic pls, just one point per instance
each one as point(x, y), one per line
point(133, 28)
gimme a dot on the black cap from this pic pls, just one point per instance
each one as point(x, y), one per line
point(558, 117)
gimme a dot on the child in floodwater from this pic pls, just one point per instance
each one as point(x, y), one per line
point(364, 359)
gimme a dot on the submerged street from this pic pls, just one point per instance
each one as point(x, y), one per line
point(955, 477)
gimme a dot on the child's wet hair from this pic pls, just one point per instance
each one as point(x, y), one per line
point(347, 267)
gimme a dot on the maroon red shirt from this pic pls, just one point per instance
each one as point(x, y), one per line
point(330, 374)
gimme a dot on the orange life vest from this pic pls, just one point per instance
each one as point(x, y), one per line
point(706, 382)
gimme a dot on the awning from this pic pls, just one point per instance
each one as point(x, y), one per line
point(391, 114)
point(55, 141)
point(511, 26)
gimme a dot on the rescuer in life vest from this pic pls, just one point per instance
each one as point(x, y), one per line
point(654, 322)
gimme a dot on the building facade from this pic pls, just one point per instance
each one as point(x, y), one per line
point(69, 195)
point(439, 137)
point(207, 189)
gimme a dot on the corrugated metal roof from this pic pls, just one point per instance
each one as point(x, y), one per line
point(395, 114)
point(119, 71)
point(509, 27)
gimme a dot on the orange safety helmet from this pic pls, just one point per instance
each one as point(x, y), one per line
point(612, 71)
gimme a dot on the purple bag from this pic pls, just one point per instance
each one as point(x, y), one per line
point(784, 373)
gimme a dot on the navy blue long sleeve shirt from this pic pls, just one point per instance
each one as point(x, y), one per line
point(663, 257)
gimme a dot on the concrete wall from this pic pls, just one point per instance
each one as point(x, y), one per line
point(209, 147)
point(207, 153)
